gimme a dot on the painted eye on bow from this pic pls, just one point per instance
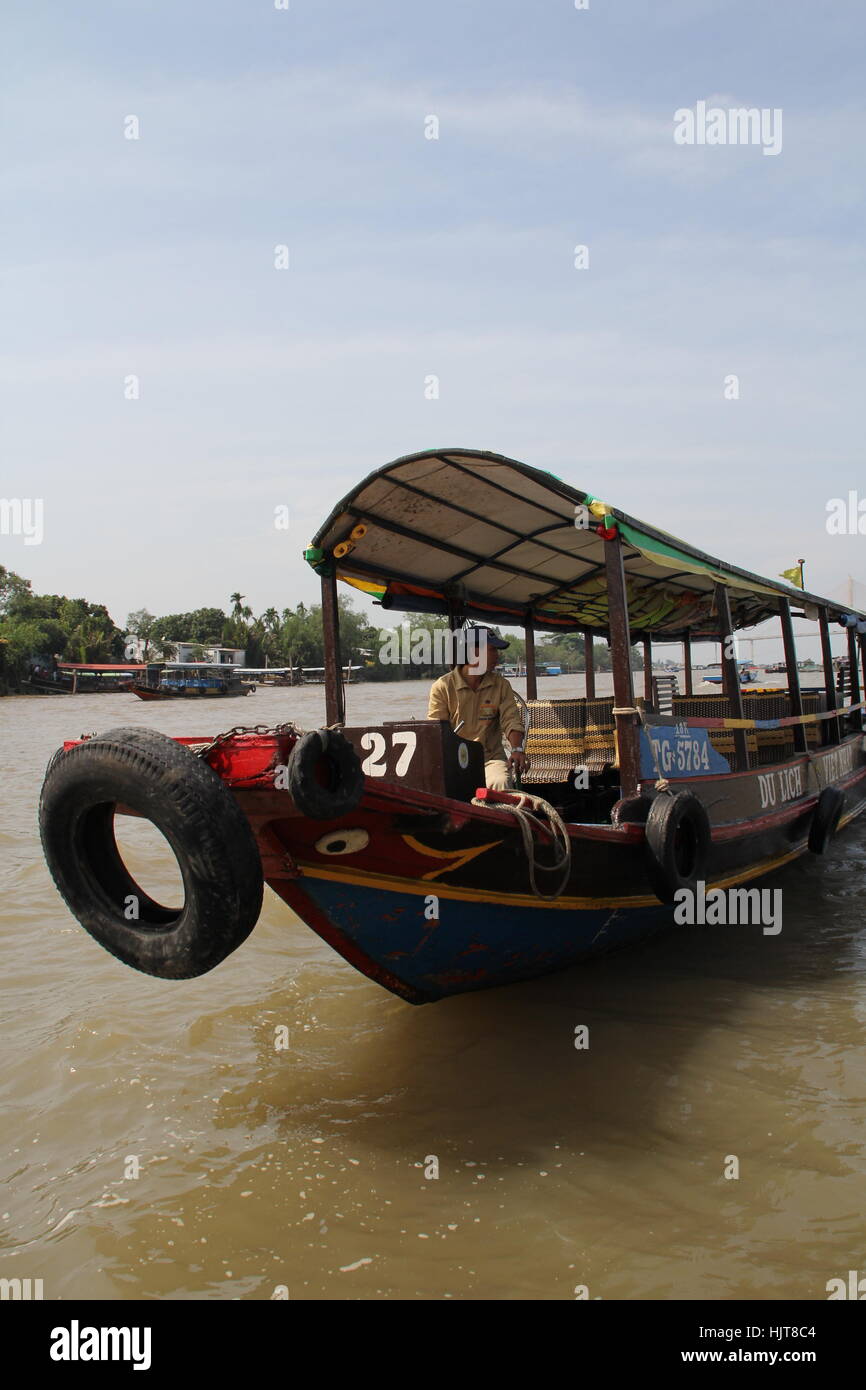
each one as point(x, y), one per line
point(342, 842)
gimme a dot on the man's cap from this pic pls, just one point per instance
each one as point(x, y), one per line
point(485, 634)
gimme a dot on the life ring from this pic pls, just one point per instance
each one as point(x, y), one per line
point(211, 838)
point(324, 775)
point(678, 843)
point(825, 821)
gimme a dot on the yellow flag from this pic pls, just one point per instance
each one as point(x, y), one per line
point(793, 576)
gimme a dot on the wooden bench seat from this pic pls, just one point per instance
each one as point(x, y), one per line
point(567, 734)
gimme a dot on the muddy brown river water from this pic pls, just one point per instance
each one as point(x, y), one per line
point(158, 1144)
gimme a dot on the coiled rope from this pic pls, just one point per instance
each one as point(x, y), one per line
point(525, 813)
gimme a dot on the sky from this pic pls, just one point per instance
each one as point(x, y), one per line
point(166, 386)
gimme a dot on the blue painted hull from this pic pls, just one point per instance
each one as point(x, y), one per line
point(472, 945)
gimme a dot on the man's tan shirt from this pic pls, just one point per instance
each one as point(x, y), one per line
point(487, 713)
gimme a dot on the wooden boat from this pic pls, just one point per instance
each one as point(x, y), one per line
point(383, 838)
point(184, 681)
point(151, 692)
point(317, 675)
point(40, 686)
point(85, 678)
point(747, 672)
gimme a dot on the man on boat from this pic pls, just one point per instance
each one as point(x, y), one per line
point(480, 704)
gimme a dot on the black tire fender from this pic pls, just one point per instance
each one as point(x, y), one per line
point(825, 821)
point(211, 838)
point(678, 841)
point(324, 775)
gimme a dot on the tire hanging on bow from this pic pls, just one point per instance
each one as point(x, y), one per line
point(324, 775)
point(216, 852)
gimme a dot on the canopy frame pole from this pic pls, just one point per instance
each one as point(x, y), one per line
point(455, 626)
point(589, 663)
point(833, 726)
point(731, 676)
point(793, 672)
point(335, 699)
point(648, 668)
point(855, 721)
point(531, 678)
point(623, 685)
point(687, 663)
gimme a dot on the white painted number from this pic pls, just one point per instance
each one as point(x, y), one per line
point(409, 742)
point(686, 755)
point(375, 765)
point(372, 767)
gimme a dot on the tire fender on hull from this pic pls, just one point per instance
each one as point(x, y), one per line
point(324, 775)
point(677, 844)
point(211, 838)
point(825, 821)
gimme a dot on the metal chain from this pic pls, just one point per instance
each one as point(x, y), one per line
point(261, 729)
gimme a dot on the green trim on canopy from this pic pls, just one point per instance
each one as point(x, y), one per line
point(478, 535)
point(671, 555)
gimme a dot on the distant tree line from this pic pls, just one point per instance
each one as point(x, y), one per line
point(34, 628)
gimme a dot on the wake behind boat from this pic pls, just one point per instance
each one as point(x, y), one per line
point(383, 837)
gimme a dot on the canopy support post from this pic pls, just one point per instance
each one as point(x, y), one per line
point(834, 728)
point(589, 663)
point(531, 679)
point(687, 662)
point(648, 669)
point(455, 625)
point(793, 673)
point(335, 705)
point(855, 721)
point(731, 676)
point(620, 651)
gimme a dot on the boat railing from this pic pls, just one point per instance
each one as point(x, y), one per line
point(664, 690)
point(765, 744)
point(570, 733)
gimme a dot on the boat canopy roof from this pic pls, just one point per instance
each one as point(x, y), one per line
point(107, 668)
point(499, 538)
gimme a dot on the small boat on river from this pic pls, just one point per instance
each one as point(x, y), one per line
point(83, 678)
point(747, 672)
point(382, 837)
point(172, 680)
